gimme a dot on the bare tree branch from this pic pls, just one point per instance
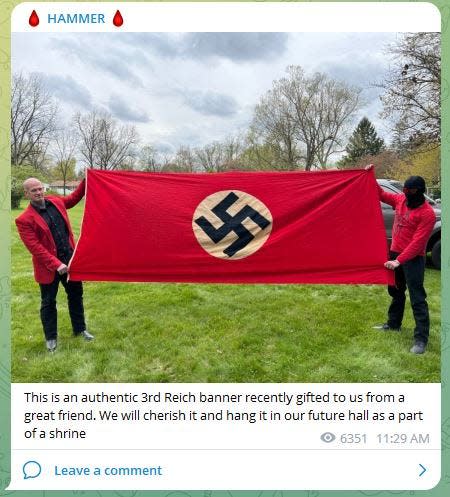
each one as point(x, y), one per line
point(412, 87)
point(63, 152)
point(304, 118)
point(33, 114)
point(104, 143)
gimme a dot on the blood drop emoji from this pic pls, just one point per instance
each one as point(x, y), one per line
point(118, 19)
point(34, 19)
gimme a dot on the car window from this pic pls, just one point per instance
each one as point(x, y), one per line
point(386, 188)
point(397, 184)
point(394, 189)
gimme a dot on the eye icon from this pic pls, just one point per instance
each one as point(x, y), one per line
point(327, 437)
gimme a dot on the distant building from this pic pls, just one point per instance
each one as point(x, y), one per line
point(58, 186)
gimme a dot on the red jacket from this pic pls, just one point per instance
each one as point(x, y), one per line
point(412, 227)
point(37, 237)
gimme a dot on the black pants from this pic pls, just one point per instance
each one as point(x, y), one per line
point(410, 275)
point(49, 318)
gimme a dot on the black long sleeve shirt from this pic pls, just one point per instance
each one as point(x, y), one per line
point(58, 228)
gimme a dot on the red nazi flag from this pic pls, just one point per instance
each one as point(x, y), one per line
point(274, 227)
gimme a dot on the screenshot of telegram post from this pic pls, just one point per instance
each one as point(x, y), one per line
point(200, 250)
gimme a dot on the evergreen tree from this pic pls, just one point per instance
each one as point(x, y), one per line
point(364, 141)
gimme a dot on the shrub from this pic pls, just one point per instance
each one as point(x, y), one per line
point(16, 193)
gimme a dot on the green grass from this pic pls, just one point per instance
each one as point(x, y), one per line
point(153, 332)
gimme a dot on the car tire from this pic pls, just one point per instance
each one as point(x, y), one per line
point(436, 255)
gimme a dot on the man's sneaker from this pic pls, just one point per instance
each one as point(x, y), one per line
point(385, 327)
point(86, 335)
point(51, 345)
point(418, 348)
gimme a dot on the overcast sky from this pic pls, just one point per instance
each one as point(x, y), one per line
point(193, 88)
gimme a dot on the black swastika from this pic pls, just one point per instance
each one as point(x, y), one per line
point(232, 223)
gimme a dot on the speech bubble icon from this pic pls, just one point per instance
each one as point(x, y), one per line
point(31, 469)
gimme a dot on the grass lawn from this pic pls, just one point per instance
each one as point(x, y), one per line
point(153, 332)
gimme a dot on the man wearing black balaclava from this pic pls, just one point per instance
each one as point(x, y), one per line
point(413, 223)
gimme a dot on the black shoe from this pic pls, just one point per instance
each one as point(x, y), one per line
point(418, 348)
point(86, 335)
point(385, 327)
point(51, 345)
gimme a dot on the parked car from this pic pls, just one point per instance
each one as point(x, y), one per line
point(434, 242)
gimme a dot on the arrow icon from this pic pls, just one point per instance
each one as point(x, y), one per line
point(423, 469)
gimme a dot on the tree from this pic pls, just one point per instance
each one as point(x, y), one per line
point(386, 161)
point(259, 157)
point(364, 141)
point(304, 118)
point(130, 162)
point(64, 171)
point(16, 193)
point(148, 159)
point(274, 125)
point(115, 143)
point(88, 131)
point(210, 156)
point(399, 142)
point(232, 148)
point(413, 85)
point(185, 159)
point(64, 147)
point(104, 143)
point(33, 113)
point(423, 161)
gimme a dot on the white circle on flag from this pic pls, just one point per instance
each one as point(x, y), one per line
point(231, 224)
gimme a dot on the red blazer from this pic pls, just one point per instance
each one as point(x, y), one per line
point(37, 237)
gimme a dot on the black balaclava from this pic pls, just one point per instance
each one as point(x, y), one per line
point(414, 200)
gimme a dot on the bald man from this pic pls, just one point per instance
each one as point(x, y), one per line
point(45, 230)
